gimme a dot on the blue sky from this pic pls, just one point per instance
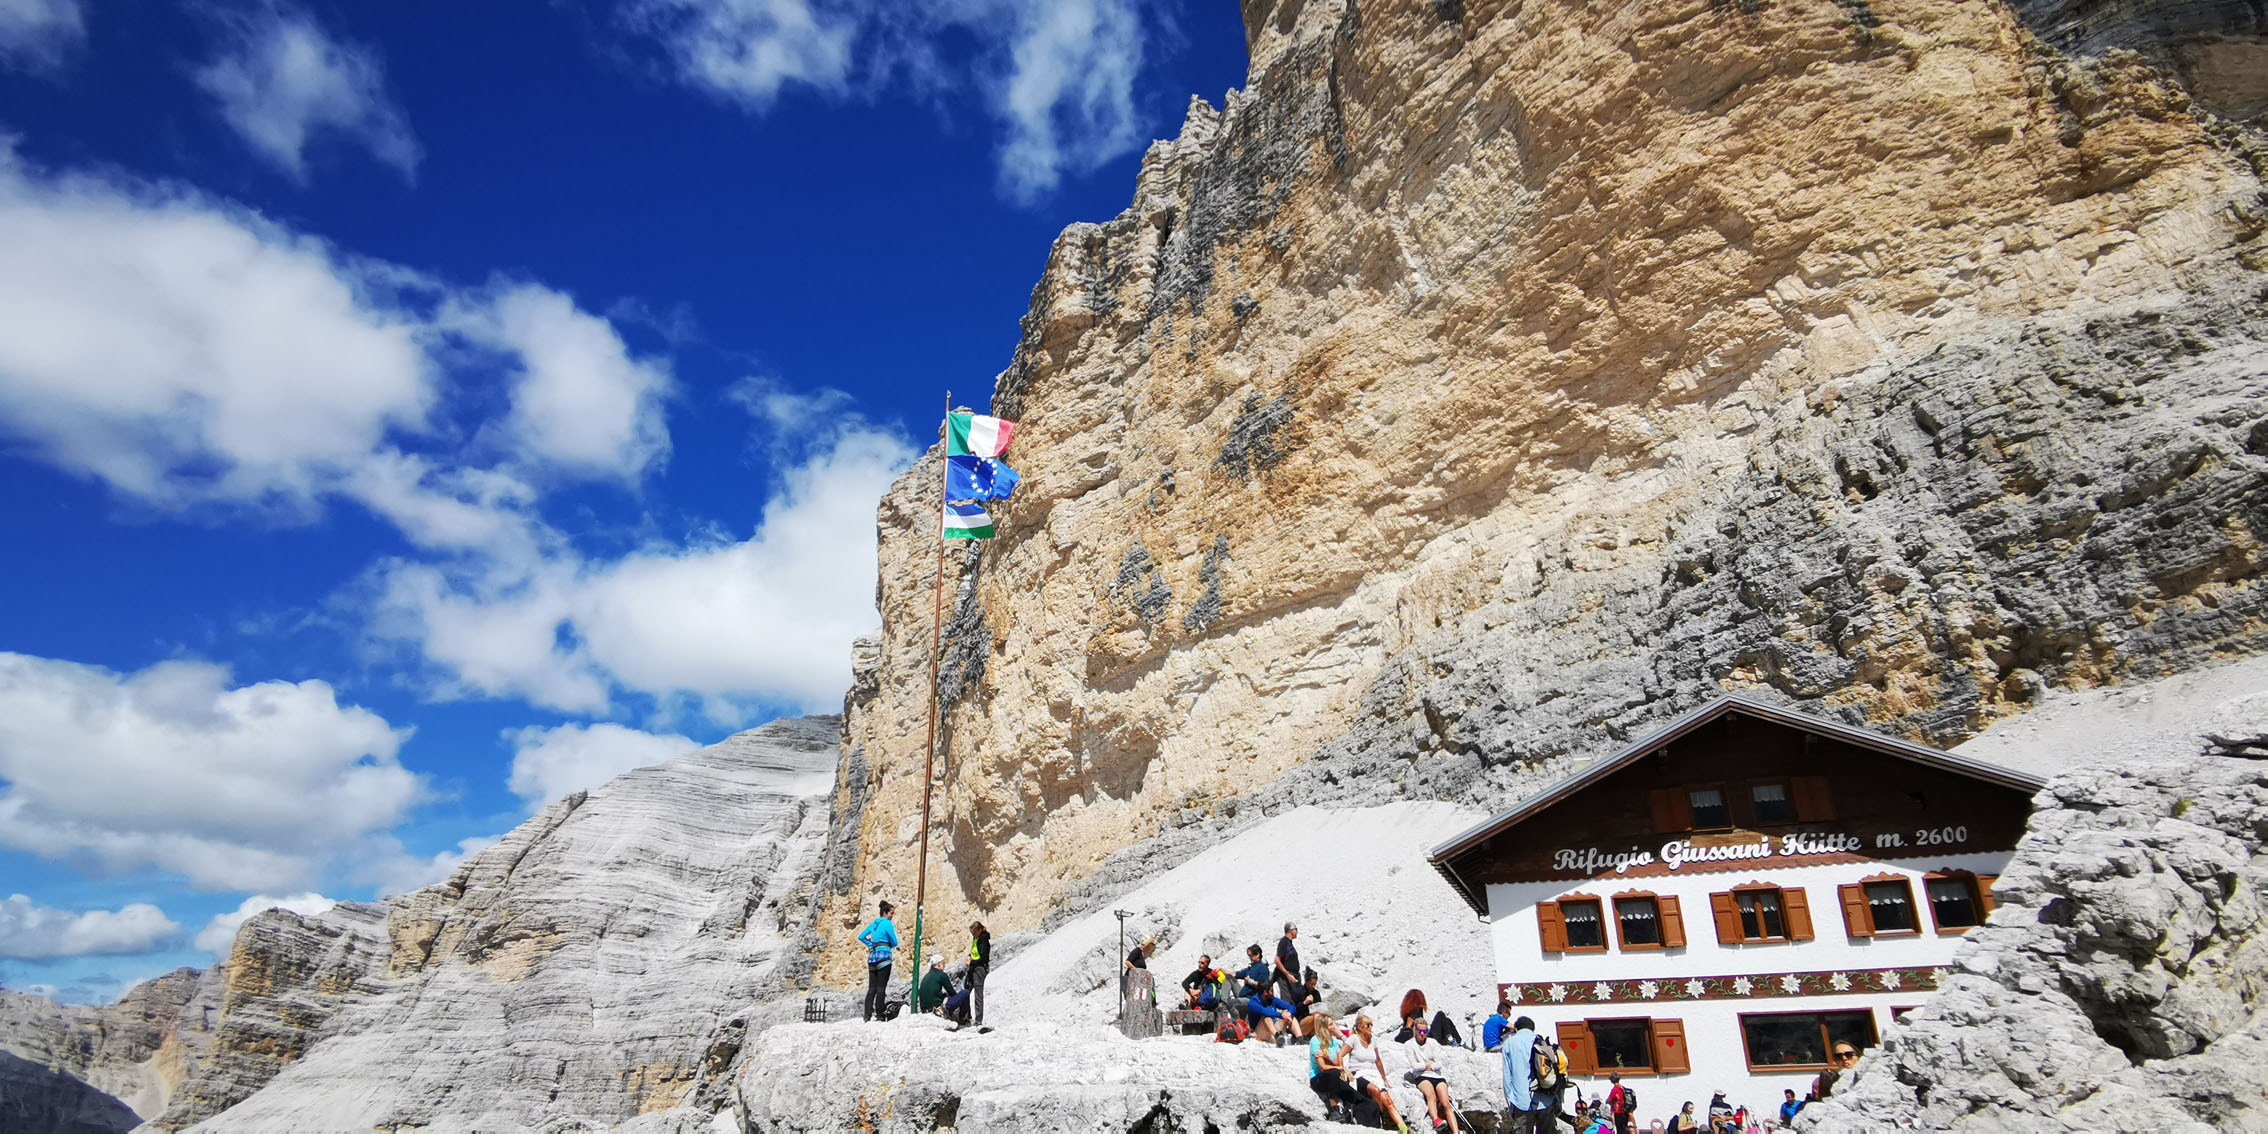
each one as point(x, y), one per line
point(412, 412)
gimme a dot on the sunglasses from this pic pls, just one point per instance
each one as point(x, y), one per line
point(1846, 1053)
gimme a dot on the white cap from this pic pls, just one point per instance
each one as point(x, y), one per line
point(933, 958)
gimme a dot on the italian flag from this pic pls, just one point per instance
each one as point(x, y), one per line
point(967, 521)
point(975, 435)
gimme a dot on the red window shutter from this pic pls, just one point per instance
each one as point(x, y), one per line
point(1673, 922)
point(1672, 811)
point(1552, 926)
point(1814, 801)
point(1670, 1056)
point(1728, 918)
point(1984, 896)
point(1799, 914)
point(1858, 917)
point(1575, 1040)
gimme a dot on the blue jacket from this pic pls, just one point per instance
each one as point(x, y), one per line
point(1492, 1032)
point(1517, 1047)
point(880, 937)
point(1255, 975)
point(1265, 1005)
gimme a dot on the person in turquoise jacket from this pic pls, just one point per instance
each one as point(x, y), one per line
point(881, 940)
point(1531, 1110)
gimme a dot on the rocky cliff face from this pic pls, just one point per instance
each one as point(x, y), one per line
point(74, 1069)
point(603, 961)
point(2122, 984)
point(1489, 380)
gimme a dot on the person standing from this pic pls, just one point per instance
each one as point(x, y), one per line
point(881, 940)
point(1137, 960)
point(980, 965)
point(1287, 968)
point(1621, 1104)
point(1533, 1111)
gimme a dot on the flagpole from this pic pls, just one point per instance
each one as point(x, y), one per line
point(929, 749)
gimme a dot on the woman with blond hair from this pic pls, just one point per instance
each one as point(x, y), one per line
point(1327, 1073)
point(1368, 1064)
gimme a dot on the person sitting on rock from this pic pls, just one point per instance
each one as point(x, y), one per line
point(1253, 977)
point(1425, 1071)
point(1267, 1015)
point(1441, 1028)
point(1492, 1032)
point(1201, 988)
point(1307, 1006)
point(1327, 1073)
point(936, 986)
point(1371, 1074)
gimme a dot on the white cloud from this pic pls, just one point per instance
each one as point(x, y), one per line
point(37, 33)
point(548, 763)
point(220, 933)
point(580, 402)
point(35, 932)
point(1068, 98)
point(190, 353)
point(394, 871)
point(249, 787)
point(769, 617)
point(746, 50)
point(283, 81)
point(1058, 74)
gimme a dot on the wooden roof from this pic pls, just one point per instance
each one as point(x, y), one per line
point(1444, 857)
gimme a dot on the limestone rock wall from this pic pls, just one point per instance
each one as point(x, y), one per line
point(605, 960)
point(2122, 983)
point(1487, 381)
point(75, 1068)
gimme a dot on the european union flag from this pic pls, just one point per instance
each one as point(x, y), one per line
point(978, 478)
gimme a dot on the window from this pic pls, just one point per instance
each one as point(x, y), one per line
point(1801, 1041)
point(1958, 899)
point(1648, 921)
point(1584, 928)
point(1759, 913)
point(1755, 803)
point(1634, 1045)
point(1771, 803)
point(1573, 924)
point(1880, 905)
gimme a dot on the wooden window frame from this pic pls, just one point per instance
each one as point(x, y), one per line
point(1669, 920)
point(1980, 897)
point(1858, 909)
point(1826, 1044)
point(1724, 793)
point(1748, 800)
point(1551, 924)
point(1666, 1046)
point(1795, 914)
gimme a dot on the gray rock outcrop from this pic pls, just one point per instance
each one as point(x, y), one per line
point(76, 1068)
point(2122, 983)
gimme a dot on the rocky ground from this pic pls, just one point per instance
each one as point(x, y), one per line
point(2122, 983)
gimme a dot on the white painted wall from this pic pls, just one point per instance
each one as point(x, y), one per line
point(1712, 1027)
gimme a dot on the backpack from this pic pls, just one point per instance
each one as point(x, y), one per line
point(1629, 1099)
point(1547, 1068)
point(1232, 1031)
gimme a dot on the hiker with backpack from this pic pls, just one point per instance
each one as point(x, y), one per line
point(1534, 1076)
point(1621, 1103)
point(1205, 984)
point(881, 940)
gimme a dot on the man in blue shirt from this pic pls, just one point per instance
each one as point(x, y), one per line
point(1532, 1110)
point(1492, 1030)
point(881, 940)
point(1267, 1014)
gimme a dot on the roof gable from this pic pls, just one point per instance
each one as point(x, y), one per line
point(1445, 856)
